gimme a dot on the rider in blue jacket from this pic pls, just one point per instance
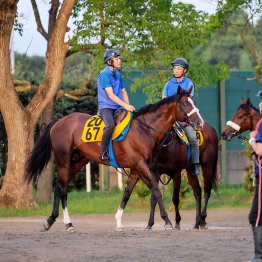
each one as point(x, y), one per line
point(180, 67)
point(111, 96)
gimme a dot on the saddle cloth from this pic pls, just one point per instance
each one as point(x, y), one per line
point(94, 128)
point(181, 134)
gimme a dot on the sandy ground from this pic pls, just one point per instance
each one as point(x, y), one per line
point(228, 238)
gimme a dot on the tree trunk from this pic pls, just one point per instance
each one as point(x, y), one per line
point(15, 192)
point(20, 121)
point(44, 185)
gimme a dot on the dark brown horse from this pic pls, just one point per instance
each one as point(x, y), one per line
point(245, 118)
point(147, 128)
point(170, 158)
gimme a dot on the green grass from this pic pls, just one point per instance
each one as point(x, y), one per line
point(98, 202)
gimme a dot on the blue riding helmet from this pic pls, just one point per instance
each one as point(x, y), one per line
point(110, 53)
point(259, 94)
point(181, 62)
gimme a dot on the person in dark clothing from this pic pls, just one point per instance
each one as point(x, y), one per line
point(255, 214)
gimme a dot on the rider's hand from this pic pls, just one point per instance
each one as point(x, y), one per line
point(253, 134)
point(129, 108)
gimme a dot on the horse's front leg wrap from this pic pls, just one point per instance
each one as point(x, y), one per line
point(118, 217)
point(48, 223)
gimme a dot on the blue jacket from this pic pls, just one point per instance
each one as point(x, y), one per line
point(108, 78)
point(172, 85)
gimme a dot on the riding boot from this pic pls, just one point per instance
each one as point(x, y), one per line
point(196, 169)
point(257, 234)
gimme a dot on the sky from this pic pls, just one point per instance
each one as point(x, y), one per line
point(32, 42)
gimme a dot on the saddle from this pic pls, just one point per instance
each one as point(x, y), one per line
point(94, 126)
point(181, 134)
point(119, 115)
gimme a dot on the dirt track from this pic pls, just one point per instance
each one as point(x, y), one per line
point(228, 238)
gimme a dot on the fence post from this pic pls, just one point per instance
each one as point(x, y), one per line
point(223, 155)
point(88, 178)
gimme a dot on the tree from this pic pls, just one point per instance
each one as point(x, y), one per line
point(150, 35)
point(247, 29)
point(20, 120)
point(226, 45)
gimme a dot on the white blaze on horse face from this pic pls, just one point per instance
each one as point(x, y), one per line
point(195, 110)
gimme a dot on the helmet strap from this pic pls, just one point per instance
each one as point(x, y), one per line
point(110, 62)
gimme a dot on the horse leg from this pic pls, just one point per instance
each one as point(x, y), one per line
point(131, 182)
point(66, 219)
point(153, 202)
point(149, 179)
point(175, 197)
point(207, 191)
point(76, 163)
point(55, 212)
point(193, 181)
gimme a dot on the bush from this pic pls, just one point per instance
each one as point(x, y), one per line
point(142, 190)
point(248, 179)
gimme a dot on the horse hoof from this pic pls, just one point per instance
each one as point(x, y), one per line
point(204, 226)
point(148, 228)
point(177, 226)
point(70, 228)
point(196, 227)
point(168, 226)
point(46, 226)
point(119, 229)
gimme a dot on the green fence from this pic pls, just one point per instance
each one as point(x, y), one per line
point(211, 101)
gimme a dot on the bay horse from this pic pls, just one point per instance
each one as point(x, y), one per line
point(245, 118)
point(170, 158)
point(63, 138)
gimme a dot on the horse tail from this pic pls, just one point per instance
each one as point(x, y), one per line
point(215, 179)
point(40, 156)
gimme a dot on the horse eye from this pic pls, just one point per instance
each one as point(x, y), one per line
point(240, 117)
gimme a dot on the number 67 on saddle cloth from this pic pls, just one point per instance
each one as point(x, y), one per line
point(94, 128)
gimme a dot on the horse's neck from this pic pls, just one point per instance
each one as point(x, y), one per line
point(159, 121)
point(255, 120)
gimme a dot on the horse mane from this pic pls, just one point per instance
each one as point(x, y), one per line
point(245, 107)
point(153, 107)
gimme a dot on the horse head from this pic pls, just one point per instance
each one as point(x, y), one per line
point(186, 109)
point(245, 118)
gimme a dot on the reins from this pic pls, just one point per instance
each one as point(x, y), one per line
point(149, 127)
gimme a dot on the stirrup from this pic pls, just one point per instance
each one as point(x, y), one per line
point(105, 156)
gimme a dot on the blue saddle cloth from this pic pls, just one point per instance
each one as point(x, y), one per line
point(112, 158)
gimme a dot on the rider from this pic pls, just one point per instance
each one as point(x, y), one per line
point(111, 96)
point(180, 67)
point(255, 218)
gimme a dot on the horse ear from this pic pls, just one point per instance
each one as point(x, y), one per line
point(179, 90)
point(189, 90)
point(242, 101)
point(248, 102)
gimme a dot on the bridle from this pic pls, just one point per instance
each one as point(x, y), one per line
point(237, 127)
point(187, 117)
